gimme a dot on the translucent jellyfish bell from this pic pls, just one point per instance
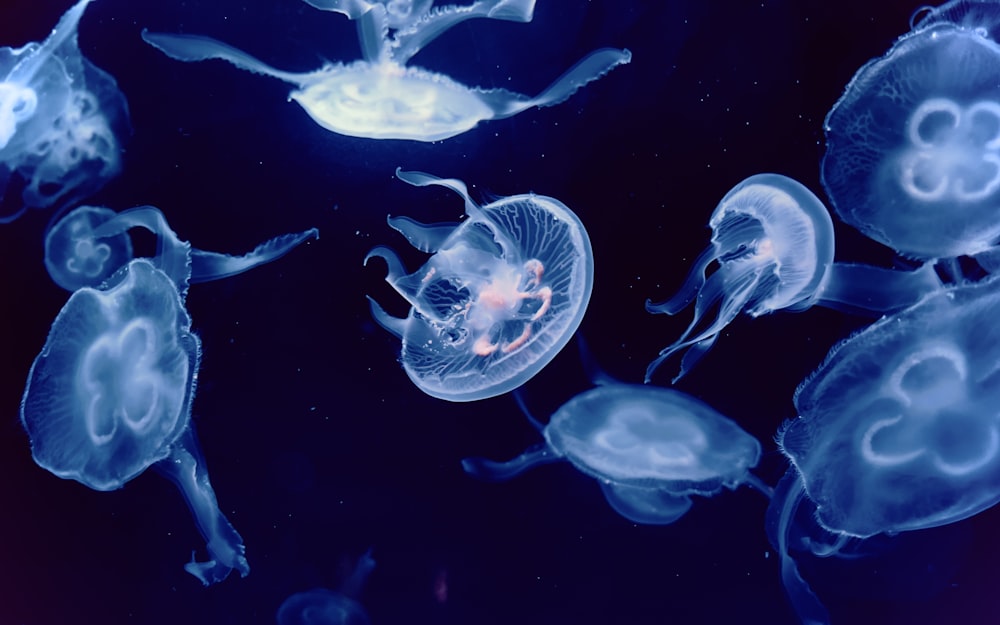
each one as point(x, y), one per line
point(650, 449)
point(898, 429)
point(61, 120)
point(110, 395)
point(772, 249)
point(321, 606)
point(913, 146)
point(503, 292)
point(90, 243)
point(380, 97)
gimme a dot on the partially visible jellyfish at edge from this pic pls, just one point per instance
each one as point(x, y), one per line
point(650, 449)
point(110, 395)
point(772, 249)
point(90, 243)
point(380, 97)
point(62, 122)
point(501, 295)
point(322, 606)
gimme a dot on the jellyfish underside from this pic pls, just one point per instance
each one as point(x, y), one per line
point(61, 121)
point(649, 448)
point(772, 249)
point(90, 243)
point(110, 395)
point(379, 97)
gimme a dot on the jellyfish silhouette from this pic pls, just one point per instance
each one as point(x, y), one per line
point(913, 145)
point(322, 606)
point(651, 449)
point(772, 249)
point(897, 430)
point(62, 121)
point(90, 243)
point(110, 395)
point(503, 292)
point(379, 97)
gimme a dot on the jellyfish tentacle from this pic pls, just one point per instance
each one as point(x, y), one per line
point(493, 471)
point(190, 48)
point(207, 266)
point(689, 290)
point(425, 237)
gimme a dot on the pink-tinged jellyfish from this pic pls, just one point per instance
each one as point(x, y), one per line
point(110, 395)
point(772, 249)
point(913, 145)
point(90, 243)
point(61, 121)
point(322, 606)
point(503, 292)
point(649, 448)
point(380, 97)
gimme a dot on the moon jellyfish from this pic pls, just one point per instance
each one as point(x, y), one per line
point(503, 292)
point(321, 606)
point(398, 13)
point(90, 243)
point(772, 249)
point(110, 395)
point(913, 145)
point(61, 121)
point(380, 97)
point(649, 448)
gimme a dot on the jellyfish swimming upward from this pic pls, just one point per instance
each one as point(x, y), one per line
point(502, 293)
point(62, 121)
point(772, 249)
point(380, 97)
point(913, 145)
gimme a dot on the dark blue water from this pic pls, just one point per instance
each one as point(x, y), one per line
point(319, 446)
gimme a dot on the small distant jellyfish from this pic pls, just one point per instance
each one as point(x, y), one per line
point(321, 606)
point(649, 448)
point(62, 121)
point(380, 97)
point(913, 145)
point(772, 249)
point(90, 243)
point(110, 395)
point(503, 292)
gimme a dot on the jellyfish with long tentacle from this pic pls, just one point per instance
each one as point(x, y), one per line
point(90, 243)
point(380, 96)
point(772, 249)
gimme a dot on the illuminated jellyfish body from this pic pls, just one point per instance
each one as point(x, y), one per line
point(913, 145)
point(321, 606)
point(61, 121)
point(649, 448)
point(772, 249)
point(503, 292)
point(379, 97)
point(110, 395)
point(399, 13)
point(90, 243)
point(899, 429)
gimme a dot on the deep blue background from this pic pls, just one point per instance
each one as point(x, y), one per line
point(318, 445)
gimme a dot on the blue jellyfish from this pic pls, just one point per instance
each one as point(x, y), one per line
point(61, 119)
point(503, 292)
point(90, 243)
point(913, 145)
point(321, 606)
point(649, 448)
point(110, 395)
point(398, 13)
point(897, 430)
point(380, 97)
point(772, 249)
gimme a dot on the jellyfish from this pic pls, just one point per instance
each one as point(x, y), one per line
point(913, 145)
point(380, 97)
point(399, 13)
point(650, 448)
point(110, 395)
point(62, 121)
point(503, 292)
point(322, 606)
point(90, 243)
point(772, 249)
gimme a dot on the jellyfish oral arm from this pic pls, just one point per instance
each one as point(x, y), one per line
point(190, 48)
point(186, 468)
point(492, 471)
point(207, 266)
point(862, 288)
